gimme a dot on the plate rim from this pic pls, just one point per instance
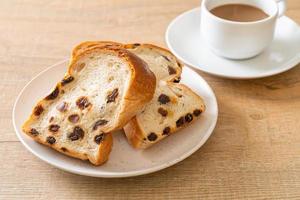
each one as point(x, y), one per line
point(293, 62)
point(115, 174)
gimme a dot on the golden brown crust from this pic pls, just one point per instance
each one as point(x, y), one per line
point(107, 144)
point(142, 86)
point(140, 90)
point(134, 133)
point(92, 44)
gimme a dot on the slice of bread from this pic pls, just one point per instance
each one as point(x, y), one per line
point(102, 90)
point(161, 61)
point(173, 107)
point(151, 125)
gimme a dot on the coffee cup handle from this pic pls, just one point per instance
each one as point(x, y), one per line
point(281, 7)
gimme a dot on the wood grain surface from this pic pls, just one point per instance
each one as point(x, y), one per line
point(254, 152)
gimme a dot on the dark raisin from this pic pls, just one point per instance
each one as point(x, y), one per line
point(166, 131)
point(179, 64)
point(166, 58)
point(171, 70)
point(177, 80)
point(136, 45)
point(51, 119)
point(144, 139)
point(64, 149)
point(34, 132)
point(62, 107)
point(180, 122)
point(51, 139)
point(74, 118)
point(163, 99)
point(53, 94)
point(38, 110)
point(77, 134)
point(100, 122)
point(197, 112)
point(163, 112)
point(53, 127)
point(82, 103)
point(98, 138)
point(67, 80)
point(102, 108)
point(152, 137)
point(112, 96)
point(188, 117)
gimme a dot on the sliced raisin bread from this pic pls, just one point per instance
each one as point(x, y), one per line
point(154, 123)
point(102, 90)
point(173, 107)
point(161, 62)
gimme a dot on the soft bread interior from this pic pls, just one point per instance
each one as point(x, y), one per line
point(162, 63)
point(173, 107)
point(91, 101)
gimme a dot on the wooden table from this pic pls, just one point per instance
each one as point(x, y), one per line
point(254, 152)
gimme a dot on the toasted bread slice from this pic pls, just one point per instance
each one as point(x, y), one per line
point(102, 90)
point(173, 107)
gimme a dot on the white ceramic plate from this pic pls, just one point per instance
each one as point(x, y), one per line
point(184, 40)
point(124, 161)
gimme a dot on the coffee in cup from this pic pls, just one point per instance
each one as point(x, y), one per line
point(239, 29)
point(239, 12)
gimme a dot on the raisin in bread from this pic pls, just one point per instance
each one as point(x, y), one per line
point(161, 62)
point(173, 107)
point(166, 69)
point(102, 90)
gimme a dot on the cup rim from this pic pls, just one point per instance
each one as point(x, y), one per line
point(203, 6)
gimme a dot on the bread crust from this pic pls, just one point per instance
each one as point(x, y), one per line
point(77, 50)
point(104, 150)
point(141, 86)
point(140, 90)
point(93, 44)
point(135, 134)
point(132, 129)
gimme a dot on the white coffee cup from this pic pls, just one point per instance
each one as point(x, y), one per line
point(239, 40)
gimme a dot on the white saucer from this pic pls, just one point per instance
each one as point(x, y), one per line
point(184, 40)
point(124, 161)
